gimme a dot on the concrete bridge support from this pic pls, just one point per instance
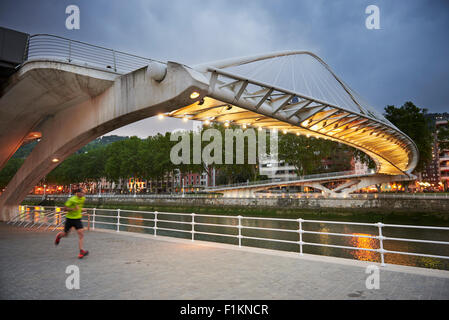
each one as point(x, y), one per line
point(129, 98)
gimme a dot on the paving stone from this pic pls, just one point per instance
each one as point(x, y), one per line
point(125, 266)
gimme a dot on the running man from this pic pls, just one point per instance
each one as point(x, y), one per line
point(74, 207)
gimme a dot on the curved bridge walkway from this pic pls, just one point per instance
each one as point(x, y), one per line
point(133, 266)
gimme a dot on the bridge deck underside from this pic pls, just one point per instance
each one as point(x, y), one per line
point(256, 105)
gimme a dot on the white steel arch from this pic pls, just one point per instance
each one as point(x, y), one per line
point(339, 114)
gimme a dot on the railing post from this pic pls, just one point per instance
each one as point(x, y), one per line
point(155, 224)
point(118, 220)
point(70, 50)
point(193, 226)
point(240, 230)
point(381, 244)
point(300, 231)
point(115, 63)
point(55, 217)
point(93, 219)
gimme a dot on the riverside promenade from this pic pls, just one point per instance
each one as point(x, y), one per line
point(136, 266)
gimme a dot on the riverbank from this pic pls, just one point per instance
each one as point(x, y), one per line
point(392, 214)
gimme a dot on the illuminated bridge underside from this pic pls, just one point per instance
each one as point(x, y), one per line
point(240, 100)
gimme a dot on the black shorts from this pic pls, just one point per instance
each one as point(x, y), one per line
point(69, 223)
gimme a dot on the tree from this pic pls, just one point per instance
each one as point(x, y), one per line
point(305, 154)
point(9, 170)
point(122, 160)
point(443, 136)
point(412, 121)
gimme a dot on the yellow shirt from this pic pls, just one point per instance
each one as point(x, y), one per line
point(72, 203)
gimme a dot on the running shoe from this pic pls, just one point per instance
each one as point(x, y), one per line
point(58, 238)
point(83, 253)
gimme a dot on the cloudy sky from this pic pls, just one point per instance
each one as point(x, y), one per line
point(405, 60)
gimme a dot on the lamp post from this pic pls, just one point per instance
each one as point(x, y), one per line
point(182, 185)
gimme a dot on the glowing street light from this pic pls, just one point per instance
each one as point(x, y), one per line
point(194, 95)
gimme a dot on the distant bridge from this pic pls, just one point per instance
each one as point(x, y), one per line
point(350, 181)
point(67, 93)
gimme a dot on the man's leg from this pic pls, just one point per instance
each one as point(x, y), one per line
point(67, 227)
point(62, 234)
point(81, 243)
point(80, 238)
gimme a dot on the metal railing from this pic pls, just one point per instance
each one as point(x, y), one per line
point(356, 196)
point(194, 224)
point(45, 46)
point(36, 217)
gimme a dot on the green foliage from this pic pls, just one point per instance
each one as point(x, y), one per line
point(311, 155)
point(80, 167)
point(101, 142)
point(153, 157)
point(150, 159)
point(24, 150)
point(412, 121)
point(9, 171)
point(235, 173)
point(443, 136)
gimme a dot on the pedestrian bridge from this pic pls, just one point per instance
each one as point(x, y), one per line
point(67, 93)
point(335, 184)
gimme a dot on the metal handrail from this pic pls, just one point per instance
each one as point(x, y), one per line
point(238, 226)
point(45, 46)
point(47, 213)
point(290, 179)
point(27, 217)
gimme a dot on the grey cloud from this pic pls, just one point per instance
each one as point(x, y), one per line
point(405, 60)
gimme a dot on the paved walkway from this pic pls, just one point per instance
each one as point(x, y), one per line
point(133, 266)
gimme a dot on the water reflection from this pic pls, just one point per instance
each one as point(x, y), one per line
point(355, 240)
point(324, 239)
point(359, 241)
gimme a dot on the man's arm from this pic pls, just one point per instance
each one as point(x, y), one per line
point(69, 206)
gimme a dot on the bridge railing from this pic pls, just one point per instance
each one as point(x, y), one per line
point(288, 179)
point(45, 46)
point(343, 174)
point(239, 230)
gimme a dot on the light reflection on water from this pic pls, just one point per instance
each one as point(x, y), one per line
point(365, 243)
point(354, 241)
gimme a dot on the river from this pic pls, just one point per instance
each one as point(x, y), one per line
point(352, 240)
